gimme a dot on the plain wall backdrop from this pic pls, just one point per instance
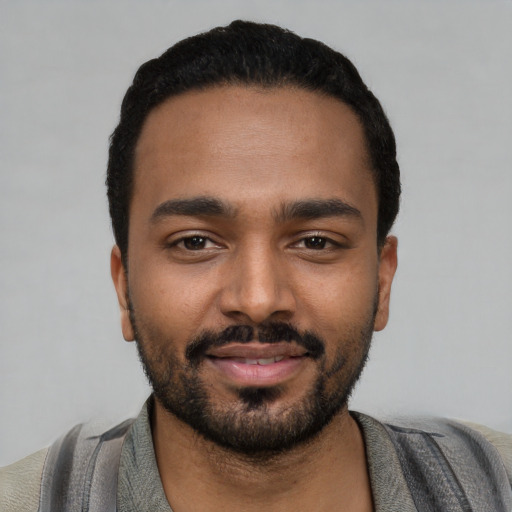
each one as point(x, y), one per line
point(442, 70)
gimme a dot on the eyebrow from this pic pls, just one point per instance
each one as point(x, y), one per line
point(316, 209)
point(193, 207)
point(212, 207)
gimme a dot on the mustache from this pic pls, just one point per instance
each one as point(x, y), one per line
point(274, 332)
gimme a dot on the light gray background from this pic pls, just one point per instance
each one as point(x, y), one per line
point(443, 73)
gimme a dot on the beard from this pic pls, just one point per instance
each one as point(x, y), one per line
point(252, 424)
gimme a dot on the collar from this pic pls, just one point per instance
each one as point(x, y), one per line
point(140, 487)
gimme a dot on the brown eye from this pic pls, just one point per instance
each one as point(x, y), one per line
point(315, 242)
point(195, 243)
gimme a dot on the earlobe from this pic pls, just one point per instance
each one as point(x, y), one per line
point(387, 267)
point(119, 278)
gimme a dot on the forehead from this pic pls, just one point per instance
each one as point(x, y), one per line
point(252, 144)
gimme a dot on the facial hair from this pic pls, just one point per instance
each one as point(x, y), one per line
point(249, 425)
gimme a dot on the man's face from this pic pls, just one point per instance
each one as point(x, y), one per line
point(254, 281)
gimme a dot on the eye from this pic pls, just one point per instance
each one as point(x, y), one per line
point(315, 242)
point(195, 243)
point(192, 247)
point(320, 247)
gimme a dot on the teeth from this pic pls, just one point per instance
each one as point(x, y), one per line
point(264, 361)
point(270, 360)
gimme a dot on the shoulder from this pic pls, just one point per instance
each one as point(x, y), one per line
point(20, 483)
point(86, 457)
point(463, 442)
point(444, 461)
point(500, 440)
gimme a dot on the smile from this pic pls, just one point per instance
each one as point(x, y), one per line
point(262, 361)
point(258, 364)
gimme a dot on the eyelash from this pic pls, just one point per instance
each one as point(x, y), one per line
point(325, 243)
point(183, 240)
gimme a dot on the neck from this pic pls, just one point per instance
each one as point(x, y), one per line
point(327, 473)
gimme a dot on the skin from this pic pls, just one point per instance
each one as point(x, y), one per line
point(255, 150)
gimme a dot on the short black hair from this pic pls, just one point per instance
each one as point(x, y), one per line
point(247, 53)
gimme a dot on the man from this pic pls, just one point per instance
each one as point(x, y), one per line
point(252, 183)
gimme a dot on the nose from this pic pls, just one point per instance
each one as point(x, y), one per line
point(257, 287)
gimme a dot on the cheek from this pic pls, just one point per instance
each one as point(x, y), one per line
point(171, 303)
point(343, 300)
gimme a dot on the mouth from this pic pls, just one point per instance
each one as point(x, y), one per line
point(262, 361)
point(257, 364)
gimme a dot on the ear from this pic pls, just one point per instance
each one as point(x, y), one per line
point(119, 278)
point(387, 268)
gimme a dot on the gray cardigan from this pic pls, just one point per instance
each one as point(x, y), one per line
point(414, 465)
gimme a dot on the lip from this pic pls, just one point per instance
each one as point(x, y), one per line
point(229, 361)
point(257, 350)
